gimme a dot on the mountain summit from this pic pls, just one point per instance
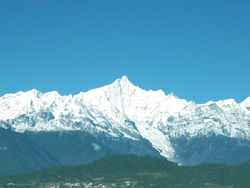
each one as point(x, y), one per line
point(124, 112)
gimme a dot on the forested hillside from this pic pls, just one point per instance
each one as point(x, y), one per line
point(135, 171)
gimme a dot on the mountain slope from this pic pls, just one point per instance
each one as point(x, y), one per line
point(19, 155)
point(78, 147)
point(132, 120)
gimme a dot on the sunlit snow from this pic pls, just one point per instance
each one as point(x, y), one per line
point(124, 110)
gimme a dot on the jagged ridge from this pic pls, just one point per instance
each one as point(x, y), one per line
point(124, 110)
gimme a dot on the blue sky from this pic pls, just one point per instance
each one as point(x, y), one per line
point(200, 50)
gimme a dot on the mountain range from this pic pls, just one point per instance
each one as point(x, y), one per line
point(119, 118)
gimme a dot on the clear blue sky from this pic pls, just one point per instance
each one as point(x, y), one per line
point(200, 50)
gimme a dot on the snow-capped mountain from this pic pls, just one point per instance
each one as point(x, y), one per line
point(124, 111)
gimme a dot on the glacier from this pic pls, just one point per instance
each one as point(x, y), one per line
point(122, 110)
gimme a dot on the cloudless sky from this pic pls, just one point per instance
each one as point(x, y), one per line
point(200, 50)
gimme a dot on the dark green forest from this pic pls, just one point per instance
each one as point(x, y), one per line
point(136, 171)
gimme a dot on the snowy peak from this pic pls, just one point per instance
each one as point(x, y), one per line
point(137, 103)
point(121, 87)
point(228, 105)
point(124, 79)
point(172, 95)
point(34, 93)
point(246, 101)
point(245, 105)
point(28, 94)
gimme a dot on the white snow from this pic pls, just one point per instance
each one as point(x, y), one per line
point(122, 109)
